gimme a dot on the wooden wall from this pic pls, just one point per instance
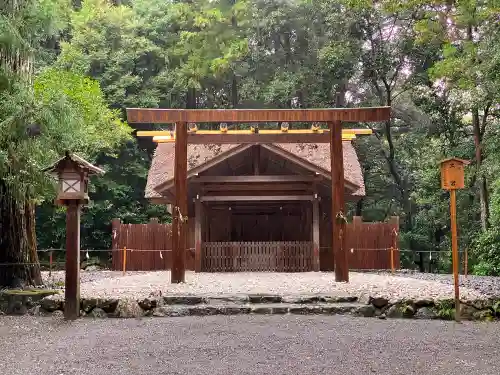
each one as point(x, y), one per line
point(143, 241)
point(368, 243)
point(290, 222)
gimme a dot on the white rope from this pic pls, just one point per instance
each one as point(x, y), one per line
point(183, 219)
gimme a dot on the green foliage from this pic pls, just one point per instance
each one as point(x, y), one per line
point(487, 252)
point(496, 308)
point(418, 56)
point(445, 309)
point(71, 114)
point(28, 26)
point(92, 126)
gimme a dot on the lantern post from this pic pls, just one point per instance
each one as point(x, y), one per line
point(73, 174)
point(452, 178)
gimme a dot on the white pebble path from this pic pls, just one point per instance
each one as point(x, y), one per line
point(137, 285)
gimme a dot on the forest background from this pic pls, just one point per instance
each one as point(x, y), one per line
point(70, 68)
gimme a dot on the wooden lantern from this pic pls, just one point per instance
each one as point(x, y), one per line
point(73, 174)
point(452, 173)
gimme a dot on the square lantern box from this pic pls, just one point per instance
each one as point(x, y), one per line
point(452, 173)
point(73, 174)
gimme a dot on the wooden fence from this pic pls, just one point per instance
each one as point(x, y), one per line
point(369, 246)
point(288, 256)
point(142, 243)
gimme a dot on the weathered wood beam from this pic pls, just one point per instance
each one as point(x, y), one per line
point(258, 138)
point(250, 138)
point(339, 252)
point(258, 210)
point(164, 135)
point(169, 195)
point(254, 179)
point(180, 212)
point(160, 200)
point(198, 212)
point(315, 234)
point(256, 160)
point(252, 206)
point(253, 198)
point(252, 187)
point(164, 116)
point(72, 278)
point(256, 193)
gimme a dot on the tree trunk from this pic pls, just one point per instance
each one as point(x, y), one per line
point(18, 257)
point(480, 179)
point(19, 265)
point(478, 135)
point(401, 180)
point(191, 98)
point(359, 207)
point(234, 91)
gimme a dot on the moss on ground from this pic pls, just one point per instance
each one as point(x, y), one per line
point(30, 292)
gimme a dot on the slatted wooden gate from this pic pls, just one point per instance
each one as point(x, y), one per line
point(291, 256)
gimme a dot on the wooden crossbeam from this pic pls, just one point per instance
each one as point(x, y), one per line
point(170, 133)
point(256, 138)
point(255, 179)
point(194, 138)
point(256, 188)
point(165, 116)
point(255, 198)
point(248, 136)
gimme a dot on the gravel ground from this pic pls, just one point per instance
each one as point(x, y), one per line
point(488, 285)
point(107, 284)
point(247, 345)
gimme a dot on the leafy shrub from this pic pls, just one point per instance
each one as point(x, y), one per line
point(487, 251)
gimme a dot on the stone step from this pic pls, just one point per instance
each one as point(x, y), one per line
point(357, 309)
point(253, 299)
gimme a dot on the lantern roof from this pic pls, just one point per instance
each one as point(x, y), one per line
point(75, 161)
point(465, 162)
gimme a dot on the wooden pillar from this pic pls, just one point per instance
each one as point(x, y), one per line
point(179, 215)
point(155, 259)
point(115, 243)
point(338, 203)
point(72, 278)
point(454, 250)
point(394, 220)
point(256, 159)
point(357, 255)
point(315, 234)
point(198, 240)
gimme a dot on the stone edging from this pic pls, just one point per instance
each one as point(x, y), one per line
point(49, 302)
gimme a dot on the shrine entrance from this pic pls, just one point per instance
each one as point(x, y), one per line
point(251, 180)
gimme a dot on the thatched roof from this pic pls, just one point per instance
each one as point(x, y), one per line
point(317, 155)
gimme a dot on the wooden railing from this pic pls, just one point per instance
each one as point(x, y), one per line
point(291, 256)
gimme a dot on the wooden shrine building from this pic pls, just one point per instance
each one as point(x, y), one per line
point(259, 199)
point(257, 207)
